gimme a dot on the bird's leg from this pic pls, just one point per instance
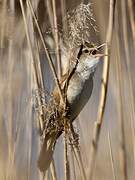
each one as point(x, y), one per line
point(74, 137)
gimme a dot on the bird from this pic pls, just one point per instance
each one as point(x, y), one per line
point(77, 85)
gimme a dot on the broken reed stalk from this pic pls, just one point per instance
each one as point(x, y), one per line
point(123, 162)
point(131, 18)
point(46, 51)
point(129, 73)
point(111, 157)
point(104, 85)
point(56, 35)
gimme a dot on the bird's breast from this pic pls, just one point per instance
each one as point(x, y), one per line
point(78, 94)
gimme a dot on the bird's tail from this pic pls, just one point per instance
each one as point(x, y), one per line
point(46, 152)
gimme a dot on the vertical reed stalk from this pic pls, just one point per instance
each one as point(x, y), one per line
point(129, 73)
point(11, 146)
point(64, 18)
point(2, 30)
point(49, 11)
point(66, 161)
point(123, 161)
point(104, 85)
point(131, 18)
point(53, 170)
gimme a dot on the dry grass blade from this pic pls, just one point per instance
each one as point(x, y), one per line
point(47, 53)
point(104, 84)
point(58, 55)
point(111, 157)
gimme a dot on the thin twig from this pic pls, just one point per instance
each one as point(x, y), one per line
point(57, 39)
point(105, 76)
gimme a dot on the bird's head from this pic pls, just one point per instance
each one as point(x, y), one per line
point(88, 58)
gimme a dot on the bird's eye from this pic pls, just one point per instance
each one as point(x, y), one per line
point(86, 51)
point(94, 52)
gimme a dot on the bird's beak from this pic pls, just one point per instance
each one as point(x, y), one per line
point(99, 50)
point(100, 55)
point(102, 45)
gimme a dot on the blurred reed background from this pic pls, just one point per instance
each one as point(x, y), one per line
point(24, 70)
